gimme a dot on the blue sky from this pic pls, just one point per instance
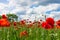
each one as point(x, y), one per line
point(28, 9)
point(4, 1)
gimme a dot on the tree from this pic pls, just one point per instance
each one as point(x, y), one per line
point(12, 17)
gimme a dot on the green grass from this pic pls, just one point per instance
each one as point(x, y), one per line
point(33, 33)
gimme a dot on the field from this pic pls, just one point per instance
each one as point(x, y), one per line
point(35, 33)
point(37, 30)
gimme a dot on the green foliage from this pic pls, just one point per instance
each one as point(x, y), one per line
point(12, 17)
point(33, 33)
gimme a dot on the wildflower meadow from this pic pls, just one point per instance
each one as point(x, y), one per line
point(28, 30)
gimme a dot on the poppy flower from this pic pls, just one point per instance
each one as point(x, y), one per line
point(23, 33)
point(22, 22)
point(50, 21)
point(15, 23)
point(58, 24)
point(7, 24)
point(4, 22)
point(58, 27)
point(0, 22)
point(34, 22)
point(46, 25)
point(4, 16)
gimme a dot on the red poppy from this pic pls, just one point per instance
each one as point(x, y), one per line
point(15, 23)
point(58, 24)
point(50, 21)
point(4, 22)
point(7, 24)
point(58, 27)
point(0, 22)
point(34, 22)
point(22, 22)
point(46, 25)
point(23, 33)
point(4, 16)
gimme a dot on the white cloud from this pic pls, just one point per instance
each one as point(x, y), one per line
point(17, 9)
point(24, 5)
point(55, 15)
point(42, 10)
point(3, 9)
point(2, 6)
point(28, 11)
